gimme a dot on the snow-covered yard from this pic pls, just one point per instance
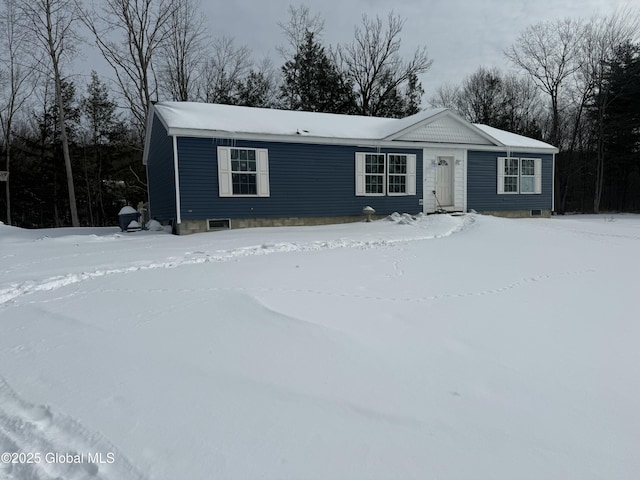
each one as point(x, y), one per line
point(441, 347)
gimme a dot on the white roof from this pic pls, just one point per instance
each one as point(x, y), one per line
point(512, 139)
point(204, 119)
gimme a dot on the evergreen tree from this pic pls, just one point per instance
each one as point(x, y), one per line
point(620, 134)
point(255, 90)
point(103, 132)
point(312, 81)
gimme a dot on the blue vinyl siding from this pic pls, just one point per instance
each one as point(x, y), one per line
point(305, 180)
point(162, 192)
point(482, 184)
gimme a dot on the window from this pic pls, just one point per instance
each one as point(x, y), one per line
point(243, 172)
point(397, 174)
point(374, 174)
point(519, 175)
point(378, 174)
point(527, 175)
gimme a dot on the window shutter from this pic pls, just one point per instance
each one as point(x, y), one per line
point(411, 174)
point(501, 174)
point(225, 187)
point(263, 172)
point(360, 173)
point(537, 163)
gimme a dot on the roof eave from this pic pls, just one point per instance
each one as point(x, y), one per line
point(267, 137)
point(147, 135)
point(359, 142)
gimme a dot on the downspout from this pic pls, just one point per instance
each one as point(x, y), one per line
point(176, 174)
point(553, 184)
point(465, 160)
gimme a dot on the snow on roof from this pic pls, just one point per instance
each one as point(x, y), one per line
point(235, 119)
point(514, 140)
point(183, 117)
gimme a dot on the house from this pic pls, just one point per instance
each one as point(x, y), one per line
point(220, 166)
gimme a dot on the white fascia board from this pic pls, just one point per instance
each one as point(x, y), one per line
point(147, 135)
point(265, 137)
point(359, 142)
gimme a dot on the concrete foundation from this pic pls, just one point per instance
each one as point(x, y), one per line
point(518, 213)
point(198, 226)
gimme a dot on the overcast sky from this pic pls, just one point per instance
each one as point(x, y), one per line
point(460, 35)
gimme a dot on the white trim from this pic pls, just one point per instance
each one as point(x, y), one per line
point(362, 157)
point(262, 172)
point(360, 175)
point(146, 171)
point(537, 176)
point(359, 142)
point(410, 175)
point(225, 172)
point(176, 174)
point(147, 136)
point(453, 116)
point(225, 188)
point(412, 168)
point(458, 178)
point(553, 183)
point(464, 181)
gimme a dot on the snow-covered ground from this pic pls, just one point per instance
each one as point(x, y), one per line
point(440, 347)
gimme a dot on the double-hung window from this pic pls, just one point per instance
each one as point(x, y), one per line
point(379, 174)
point(519, 175)
point(397, 179)
point(374, 174)
point(243, 172)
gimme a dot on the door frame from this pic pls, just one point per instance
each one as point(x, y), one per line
point(459, 178)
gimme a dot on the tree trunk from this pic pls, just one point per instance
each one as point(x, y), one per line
point(63, 133)
point(7, 187)
point(597, 195)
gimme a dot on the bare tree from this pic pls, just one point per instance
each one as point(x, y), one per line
point(373, 62)
point(224, 69)
point(523, 109)
point(184, 51)
point(51, 25)
point(142, 28)
point(509, 102)
point(483, 96)
point(295, 30)
point(549, 53)
point(17, 77)
point(446, 96)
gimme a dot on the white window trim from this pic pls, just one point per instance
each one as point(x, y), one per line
point(537, 178)
point(225, 176)
point(410, 176)
point(410, 183)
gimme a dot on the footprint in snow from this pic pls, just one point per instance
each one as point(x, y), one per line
point(39, 415)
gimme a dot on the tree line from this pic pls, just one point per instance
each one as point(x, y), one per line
point(576, 85)
point(73, 147)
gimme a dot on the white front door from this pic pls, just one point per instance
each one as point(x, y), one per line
point(444, 180)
